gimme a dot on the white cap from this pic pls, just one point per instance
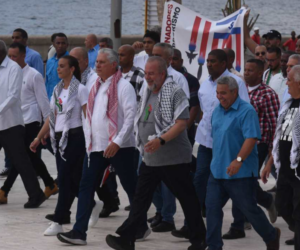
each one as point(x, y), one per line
point(256, 28)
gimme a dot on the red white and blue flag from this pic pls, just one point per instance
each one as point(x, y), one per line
point(195, 36)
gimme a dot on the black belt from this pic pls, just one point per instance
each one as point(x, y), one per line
point(71, 131)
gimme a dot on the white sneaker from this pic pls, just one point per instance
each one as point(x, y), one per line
point(95, 213)
point(54, 229)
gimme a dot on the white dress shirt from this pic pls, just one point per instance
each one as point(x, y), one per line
point(91, 79)
point(277, 83)
point(10, 92)
point(140, 61)
point(34, 99)
point(126, 112)
point(209, 101)
point(180, 80)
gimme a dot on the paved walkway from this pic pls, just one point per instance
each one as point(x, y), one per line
point(22, 229)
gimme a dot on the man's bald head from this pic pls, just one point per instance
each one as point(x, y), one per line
point(3, 51)
point(126, 56)
point(91, 41)
point(82, 57)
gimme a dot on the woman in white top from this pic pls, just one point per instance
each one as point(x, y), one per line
point(68, 101)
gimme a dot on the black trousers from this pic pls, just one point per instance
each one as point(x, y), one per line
point(12, 140)
point(31, 131)
point(177, 178)
point(288, 203)
point(70, 172)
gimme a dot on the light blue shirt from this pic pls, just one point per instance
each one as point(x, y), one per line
point(285, 97)
point(209, 101)
point(92, 53)
point(52, 78)
point(230, 129)
point(34, 60)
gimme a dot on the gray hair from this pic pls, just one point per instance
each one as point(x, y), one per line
point(296, 71)
point(111, 55)
point(162, 65)
point(3, 48)
point(295, 57)
point(230, 81)
point(166, 47)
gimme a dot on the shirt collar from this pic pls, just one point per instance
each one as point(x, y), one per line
point(108, 80)
point(96, 48)
point(234, 106)
point(225, 73)
point(55, 55)
point(5, 62)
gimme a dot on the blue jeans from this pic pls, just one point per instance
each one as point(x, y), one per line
point(165, 203)
point(92, 175)
point(243, 194)
point(202, 173)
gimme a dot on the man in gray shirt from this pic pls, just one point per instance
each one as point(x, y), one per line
point(161, 137)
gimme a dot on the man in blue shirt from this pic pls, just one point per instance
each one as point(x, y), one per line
point(61, 44)
point(91, 43)
point(33, 58)
point(234, 166)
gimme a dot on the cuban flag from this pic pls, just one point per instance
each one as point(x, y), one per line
point(195, 36)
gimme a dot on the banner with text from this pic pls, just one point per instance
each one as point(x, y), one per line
point(195, 36)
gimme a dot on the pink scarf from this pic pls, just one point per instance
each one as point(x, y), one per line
point(112, 107)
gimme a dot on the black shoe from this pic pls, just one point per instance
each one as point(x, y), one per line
point(127, 208)
point(72, 238)
point(154, 221)
point(164, 227)
point(119, 243)
point(181, 233)
point(290, 242)
point(233, 234)
point(108, 210)
point(35, 203)
point(66, 220)
point(4, 173)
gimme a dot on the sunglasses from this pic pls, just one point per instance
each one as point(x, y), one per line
point(260, 53)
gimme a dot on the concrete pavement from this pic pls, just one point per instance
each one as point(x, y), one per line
point(22, 229)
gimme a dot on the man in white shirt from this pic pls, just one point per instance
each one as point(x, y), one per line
point(109, 141)
point(273, 76)
point(108, 192)
point(149, 40)
point(12, 128)
point(34, 102)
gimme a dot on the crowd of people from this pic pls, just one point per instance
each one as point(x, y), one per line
point(104, 113)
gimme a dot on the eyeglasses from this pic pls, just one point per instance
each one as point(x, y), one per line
point(260, 53)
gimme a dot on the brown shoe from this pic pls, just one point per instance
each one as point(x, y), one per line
point(3, 199)
point(274, 245)
point(48, 191)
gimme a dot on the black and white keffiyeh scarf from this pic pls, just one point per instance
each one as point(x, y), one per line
point(73, 91)
point(84, 75)
point(295, 151)
point(170, 103)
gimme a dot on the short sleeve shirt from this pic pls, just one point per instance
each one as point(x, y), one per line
point(62, 106)
point(230, 128)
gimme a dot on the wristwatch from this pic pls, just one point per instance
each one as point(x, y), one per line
point(162, 141)
point(239, 159)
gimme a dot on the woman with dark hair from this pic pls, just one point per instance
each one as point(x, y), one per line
point(67, 103)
